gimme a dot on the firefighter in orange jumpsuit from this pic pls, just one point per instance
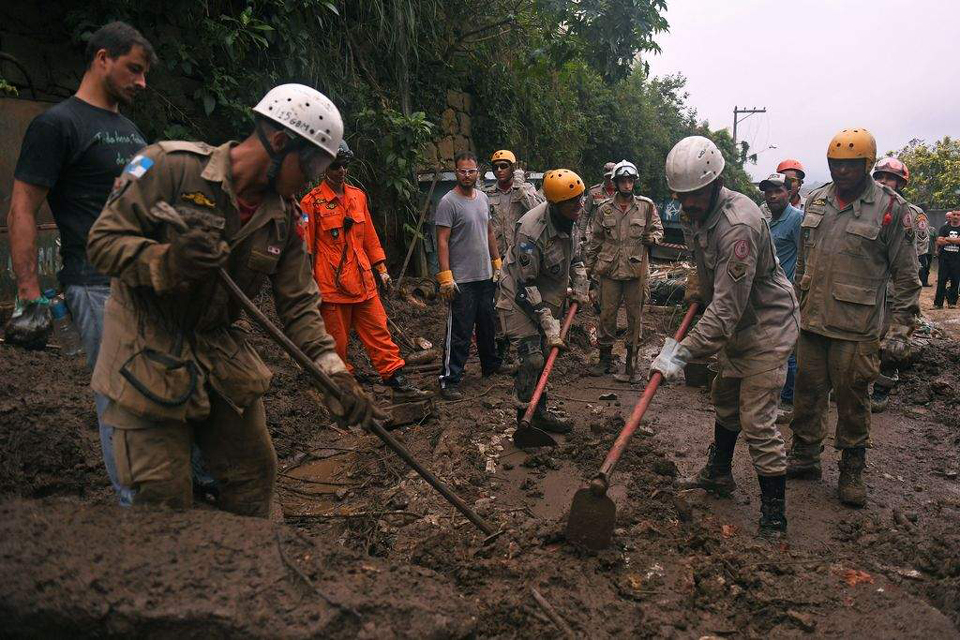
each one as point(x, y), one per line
point(345, 251)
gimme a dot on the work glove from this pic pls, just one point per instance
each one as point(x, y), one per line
point(671, 361)
point(384, 275)
point(354, 407)
point(551, 330)
point(196, 252)
point(895, 347)
point(448, 287)
point(580, 293)
point(497, 265)
point(31, 327)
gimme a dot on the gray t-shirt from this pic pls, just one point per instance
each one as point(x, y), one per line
point(468, 221)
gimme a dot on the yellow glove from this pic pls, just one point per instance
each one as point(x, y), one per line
point(497, 264)
point(448, 287)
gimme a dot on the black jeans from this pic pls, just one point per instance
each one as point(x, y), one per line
point(947, 270)
point(471, 310)
point(925, 261)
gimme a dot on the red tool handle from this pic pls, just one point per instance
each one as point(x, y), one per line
point(641, 407)
point(542, 383)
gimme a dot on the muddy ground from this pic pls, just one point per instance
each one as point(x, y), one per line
point(360, 546)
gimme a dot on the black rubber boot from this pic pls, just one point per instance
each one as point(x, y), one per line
point(773, 517)
point(803, 463)
point(604, 365)
point(850, 487)
point(403, 390)
point(551, 422)
point(716, 476)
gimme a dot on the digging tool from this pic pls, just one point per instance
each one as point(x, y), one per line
point(593, 514)
point(527, 436)
point(331, 388)
point(420, 221)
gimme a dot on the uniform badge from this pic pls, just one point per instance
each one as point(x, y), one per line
point(736, 269)
point(818, 201)
point(741, 249)
point(887, 219)
point(555, 270)
point(331, 205)
point(138, 166)
point(273, 249)
point(907, 222)
point(199, 199)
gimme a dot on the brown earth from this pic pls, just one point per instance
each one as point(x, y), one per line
point(362, 529)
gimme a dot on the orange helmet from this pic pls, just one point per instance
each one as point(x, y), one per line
point(504, 155)
point(562, 184)
point(853, 144)
point(790, 163)
point(892, 166)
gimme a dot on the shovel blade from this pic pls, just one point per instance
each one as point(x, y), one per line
point(530, 437)
point(592, 519)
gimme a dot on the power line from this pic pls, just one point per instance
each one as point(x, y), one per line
point(737, 119)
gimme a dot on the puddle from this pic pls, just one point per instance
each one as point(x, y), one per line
point(311, 488)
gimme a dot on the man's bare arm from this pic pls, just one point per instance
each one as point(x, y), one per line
point(25, 202)
point(492, 242)
point(443, 247)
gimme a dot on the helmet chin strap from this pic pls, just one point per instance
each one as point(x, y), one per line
point(276, 157)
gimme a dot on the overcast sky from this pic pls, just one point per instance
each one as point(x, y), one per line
point(818, 66)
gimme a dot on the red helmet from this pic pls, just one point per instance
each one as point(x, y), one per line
point(892, 166)
point(790, 163)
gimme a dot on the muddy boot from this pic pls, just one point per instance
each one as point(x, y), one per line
point(716, 476)
point(850, 487)
point(403, 390)
point(604, 365)
point(879, 399)
point(508, 360)
point(803, 463)
point(551, 422)
point(773, 517)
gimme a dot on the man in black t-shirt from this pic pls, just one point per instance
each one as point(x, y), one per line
point(948, 261)
point(71, 155)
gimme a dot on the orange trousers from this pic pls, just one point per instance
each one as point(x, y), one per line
point(369, 321)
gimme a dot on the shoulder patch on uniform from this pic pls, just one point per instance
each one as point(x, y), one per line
point(199, 198)
point(819, 201)
point(741, 249)
point(736, 269)
point(138, 166)
point(526, 247)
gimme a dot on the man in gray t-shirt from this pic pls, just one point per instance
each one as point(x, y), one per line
point(469, 268)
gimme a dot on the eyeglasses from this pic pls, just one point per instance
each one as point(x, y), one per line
point(502, 165)
point(466, 172)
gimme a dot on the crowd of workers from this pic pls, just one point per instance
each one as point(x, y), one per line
point(798, 298)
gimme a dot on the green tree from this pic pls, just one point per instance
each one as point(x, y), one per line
point(934, 172)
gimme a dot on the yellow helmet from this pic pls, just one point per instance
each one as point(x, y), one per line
point(854, 144)
point(561, 184)
point(504, 155)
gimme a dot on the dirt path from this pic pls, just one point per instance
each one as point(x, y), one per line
point(360, 526)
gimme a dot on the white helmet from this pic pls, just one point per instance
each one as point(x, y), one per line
point(625, 169)
point(694, 162)
point(306, 112)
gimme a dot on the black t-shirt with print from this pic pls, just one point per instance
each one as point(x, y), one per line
point(77, 150)
point(949, 252)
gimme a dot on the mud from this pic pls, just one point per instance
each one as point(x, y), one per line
point(371, 535)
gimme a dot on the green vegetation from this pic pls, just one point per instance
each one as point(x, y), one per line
point(934, 173)
point(563, 83)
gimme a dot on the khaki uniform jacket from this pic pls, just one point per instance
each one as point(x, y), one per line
point(921, 228)
point(507, 207)
point(751, 316)
point(165, 341)
point(537, 270)
point(846, 258)
point(618, 239)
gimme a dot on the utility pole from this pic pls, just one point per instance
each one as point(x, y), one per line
point(737, 119)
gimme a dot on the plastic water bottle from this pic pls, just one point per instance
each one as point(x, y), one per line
point(67, 335)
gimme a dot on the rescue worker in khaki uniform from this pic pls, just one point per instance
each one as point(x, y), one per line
point(751, 319)
point(537, 271)
point(173, 364)
point(596, 195)
point(856, 236)
point(892, 173)
point(509, 198)
point(617, 253)
point(348, 263)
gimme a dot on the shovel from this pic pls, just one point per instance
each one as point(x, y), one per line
point(593, 514)
point(527, 436)
point(331, 388)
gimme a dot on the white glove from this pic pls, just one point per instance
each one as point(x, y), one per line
point(551, 330)
point(673, 357)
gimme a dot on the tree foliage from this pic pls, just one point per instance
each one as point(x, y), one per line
point(934, 173)
point(561, 82)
